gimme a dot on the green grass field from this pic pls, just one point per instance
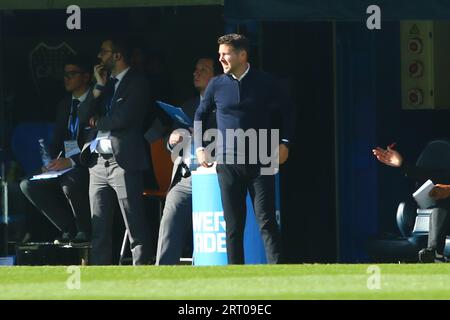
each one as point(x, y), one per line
point(337, 281)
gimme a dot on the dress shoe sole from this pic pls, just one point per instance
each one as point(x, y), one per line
point(427, 258)
point(80, 244)
point(60, 243)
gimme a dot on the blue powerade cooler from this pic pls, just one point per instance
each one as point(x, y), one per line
point(209, 224)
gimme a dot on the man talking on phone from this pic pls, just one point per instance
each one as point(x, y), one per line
point(117, 153)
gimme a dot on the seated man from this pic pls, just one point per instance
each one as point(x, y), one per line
point(176, 224)
point(439, 220)
point(65, 200)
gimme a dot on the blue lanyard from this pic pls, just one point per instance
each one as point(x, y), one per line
point(73, 120)
point(73, 126)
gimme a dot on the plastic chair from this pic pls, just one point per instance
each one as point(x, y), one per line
point(435, 156)
point(162, 167)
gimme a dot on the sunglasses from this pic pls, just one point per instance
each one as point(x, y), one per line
point(104, 51)
point(71, 74)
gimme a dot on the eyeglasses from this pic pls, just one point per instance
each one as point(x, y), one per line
point(71, 74)
point(103, 51)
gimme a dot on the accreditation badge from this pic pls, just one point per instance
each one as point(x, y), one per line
point(71, 148)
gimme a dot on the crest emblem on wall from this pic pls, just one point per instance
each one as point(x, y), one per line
point(46, 65)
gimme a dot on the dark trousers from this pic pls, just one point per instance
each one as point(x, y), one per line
point(110, 183)
point(63, 200)
point(234, 181)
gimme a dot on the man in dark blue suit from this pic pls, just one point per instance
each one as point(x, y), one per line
point(245, 100)
point(117, 153)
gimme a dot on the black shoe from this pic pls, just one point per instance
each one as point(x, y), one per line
point(81, 239)
point(64, 239)
point(427, 255)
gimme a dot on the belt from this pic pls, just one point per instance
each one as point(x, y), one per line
point(184, 170)
point(106, 156)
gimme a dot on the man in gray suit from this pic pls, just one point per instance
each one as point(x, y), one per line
point(117, 153)
point(176, 224)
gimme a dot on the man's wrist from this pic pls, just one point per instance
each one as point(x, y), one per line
point(93, 122)
point(285, 142)
point(100, 87)
point(73, 164)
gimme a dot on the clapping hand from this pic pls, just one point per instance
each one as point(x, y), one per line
point(388, 156)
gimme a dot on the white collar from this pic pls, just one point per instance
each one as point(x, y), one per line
point(243, 75)
point(120, 76)
point(82, 97)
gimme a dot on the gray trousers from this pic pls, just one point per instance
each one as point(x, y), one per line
point(176, 223)
point(109, 182)
point(439, 229)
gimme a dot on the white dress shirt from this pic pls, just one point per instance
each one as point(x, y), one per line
point(104, 144)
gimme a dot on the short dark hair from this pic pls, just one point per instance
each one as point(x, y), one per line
point(237, 41)
point(121, 45)
point(217, 68)
point(82, 62)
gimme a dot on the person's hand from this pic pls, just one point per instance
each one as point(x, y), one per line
point(201, 158)
point(440, 191)
point(175, 138)
point(92, 122)
point(389, 156)
point(283, 153)
point(100, 74)
point(101, 78)
point(59, 164)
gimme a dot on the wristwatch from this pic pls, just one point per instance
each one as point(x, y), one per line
point(99, 87)
point(285, 142)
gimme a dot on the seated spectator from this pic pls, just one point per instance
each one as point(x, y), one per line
point(176, 225)
point(439, 220)
point(65, 200)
